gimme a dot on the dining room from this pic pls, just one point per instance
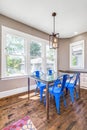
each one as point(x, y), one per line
point(43, 65)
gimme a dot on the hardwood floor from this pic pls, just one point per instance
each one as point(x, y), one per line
point(73, 117)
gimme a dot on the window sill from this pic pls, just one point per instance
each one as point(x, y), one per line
point(77, 68)
point(14, 77)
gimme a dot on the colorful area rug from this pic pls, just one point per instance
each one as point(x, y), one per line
point(22, 124)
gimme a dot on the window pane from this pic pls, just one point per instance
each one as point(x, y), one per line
point(77, 50)
point(50, 58)
point(36, 64)
point(14, 44)
point(35, 55)
point(77, 55)
point(35, 49)
point(15, 65)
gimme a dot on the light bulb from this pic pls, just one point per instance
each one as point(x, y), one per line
point(55, 40)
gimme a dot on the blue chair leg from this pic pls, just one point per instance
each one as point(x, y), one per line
point(57, 100)
point(41, 93)
point(64, 100)
point(45, 101)
point(51, 97)
point(66, 91)
point(36, 90)
point(77, 95)
point(72, 94)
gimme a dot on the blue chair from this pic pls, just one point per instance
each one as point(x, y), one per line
point(50, 72)
point(57, 91)
point(39, 85)
point(71, 86)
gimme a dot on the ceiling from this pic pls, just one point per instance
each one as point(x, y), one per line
point(71, 16)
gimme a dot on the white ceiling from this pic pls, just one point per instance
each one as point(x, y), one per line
point(71, 14)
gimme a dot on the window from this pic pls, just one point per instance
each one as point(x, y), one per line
point(22, 54)
point(77, 55)
point(13, 54)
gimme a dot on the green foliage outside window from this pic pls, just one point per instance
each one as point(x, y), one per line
point(14, 50)
point(35, 49)
point(50, 54)
point(14, 44)
point(13, 65)
point(74, 60)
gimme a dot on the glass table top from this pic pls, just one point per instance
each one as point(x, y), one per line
point(45, 77)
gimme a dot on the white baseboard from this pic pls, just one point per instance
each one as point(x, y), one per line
point(19, 90)
point(15, 91)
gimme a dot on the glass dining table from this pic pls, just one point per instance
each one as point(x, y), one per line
point(47, 79)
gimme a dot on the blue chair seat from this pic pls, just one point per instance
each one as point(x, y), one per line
point(41, 85)
point(57, 90)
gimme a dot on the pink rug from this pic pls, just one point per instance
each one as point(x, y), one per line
point(22, 124)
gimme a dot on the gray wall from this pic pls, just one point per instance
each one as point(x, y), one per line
point(12, 84)
point(63, 54)
point(8, 22)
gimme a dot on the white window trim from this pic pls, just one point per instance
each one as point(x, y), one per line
point(72, 44)
point(6, 30)
point(28, 38)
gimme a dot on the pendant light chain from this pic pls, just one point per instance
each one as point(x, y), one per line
point(53, 14)
point(54, 37)
point(54, 24)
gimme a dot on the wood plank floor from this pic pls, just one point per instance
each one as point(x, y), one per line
point(73, 117)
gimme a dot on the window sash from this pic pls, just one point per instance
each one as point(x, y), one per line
point(74, 46)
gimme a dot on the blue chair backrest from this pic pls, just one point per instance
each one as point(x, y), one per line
point(65, 76)
point(61, 80)
point(37, 73)
point(50, 72)
point(77, 78)
point(56, 82)
point(74, 79)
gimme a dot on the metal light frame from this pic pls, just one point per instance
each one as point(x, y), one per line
point(54, 37)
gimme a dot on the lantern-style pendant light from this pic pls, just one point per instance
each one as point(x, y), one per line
point(54, 37)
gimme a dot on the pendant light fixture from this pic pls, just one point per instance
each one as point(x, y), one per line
point(54, 37)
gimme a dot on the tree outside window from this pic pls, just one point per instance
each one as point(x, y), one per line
point(77, 55)
point(35, 54)
point(15, 61)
